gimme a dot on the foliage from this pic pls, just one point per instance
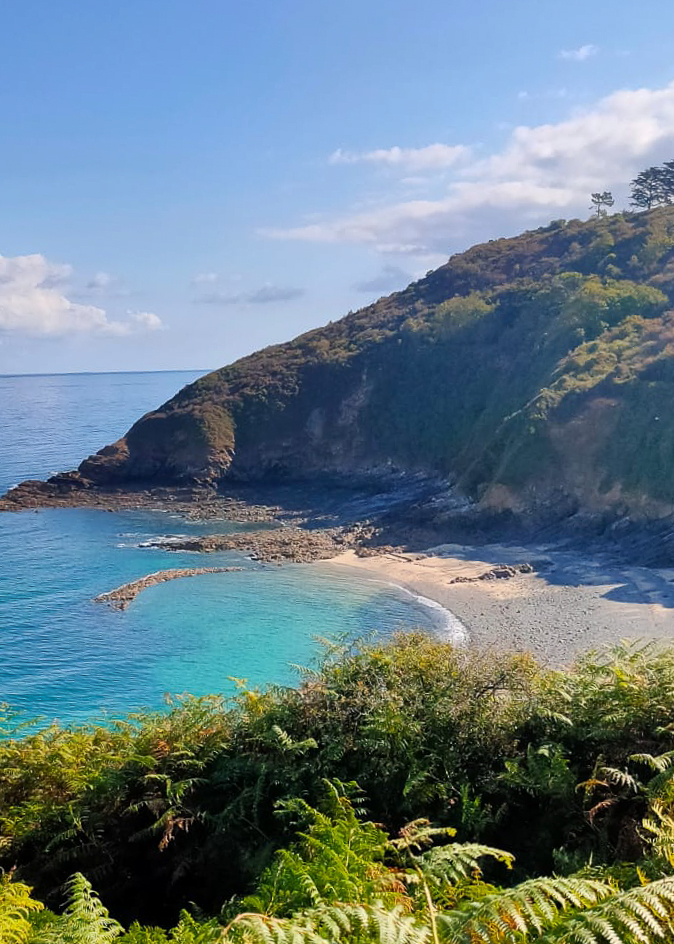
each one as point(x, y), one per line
point(16, 907)
point(530, 363)
point(84, 921)
point(465, 907)
point(653, 186)
point(339, 858)
point(602, 202)
point(246, 814)
point(211, 801)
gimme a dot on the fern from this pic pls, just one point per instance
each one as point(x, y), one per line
point(85, 920)
point(658, 764)
point(457, 861)
point(338, 858)
point(641, 915)
point(365, 924)
point(554, 910)
point(658, 828)
point(620, 778)
point(527, 909)
point(16, 906)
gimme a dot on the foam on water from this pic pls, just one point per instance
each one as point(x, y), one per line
point(449, 626)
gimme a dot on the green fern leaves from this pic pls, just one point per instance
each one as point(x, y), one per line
point(16, 907)
point(85, 920)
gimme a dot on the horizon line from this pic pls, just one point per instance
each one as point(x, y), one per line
point(93, 373)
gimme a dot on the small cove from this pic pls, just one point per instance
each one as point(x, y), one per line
point(64, 656)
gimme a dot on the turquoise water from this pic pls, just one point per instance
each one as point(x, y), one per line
point(64, 656)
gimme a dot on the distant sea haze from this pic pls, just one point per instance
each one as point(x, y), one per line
point(64, 656)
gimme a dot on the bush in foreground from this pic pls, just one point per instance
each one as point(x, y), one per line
point(197, 804)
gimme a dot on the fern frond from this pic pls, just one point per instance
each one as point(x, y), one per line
point(657, 764)
point(419, 834)
point(16, 906)
point(641, 914)
point(329, 925)
point(659, 830)
point(620, 778)
point(85, 921)
point(529, 908)
point(457, 861)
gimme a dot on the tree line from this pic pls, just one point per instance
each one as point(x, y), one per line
point(652, 187)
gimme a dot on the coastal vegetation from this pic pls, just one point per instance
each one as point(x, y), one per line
point(404, 791)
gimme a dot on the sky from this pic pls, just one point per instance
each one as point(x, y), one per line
point(182, 183)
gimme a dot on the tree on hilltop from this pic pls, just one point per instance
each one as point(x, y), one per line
point(652, 186)
point(668, 181)
point(601, 202)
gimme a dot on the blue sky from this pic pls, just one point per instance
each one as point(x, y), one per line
point(182, 183)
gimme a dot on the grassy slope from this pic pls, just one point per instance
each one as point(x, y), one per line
point(525, 365)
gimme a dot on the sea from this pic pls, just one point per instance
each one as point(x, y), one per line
point(66, 658)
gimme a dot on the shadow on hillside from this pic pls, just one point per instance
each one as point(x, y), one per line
point(324, 504)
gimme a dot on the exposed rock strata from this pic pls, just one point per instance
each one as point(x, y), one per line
point(69, 490)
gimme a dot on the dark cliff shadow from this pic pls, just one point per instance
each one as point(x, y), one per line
point(320, 503)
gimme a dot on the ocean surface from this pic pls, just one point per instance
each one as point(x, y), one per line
point(65, 657)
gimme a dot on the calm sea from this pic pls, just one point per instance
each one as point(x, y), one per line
point(63, 656)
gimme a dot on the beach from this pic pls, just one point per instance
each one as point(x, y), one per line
point(568, 604)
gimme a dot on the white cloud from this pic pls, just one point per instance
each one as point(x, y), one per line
point(32, 302)
point(138, 322)
point(430, 158)
point(580, 54)
point(542, 171)
point(146, 320)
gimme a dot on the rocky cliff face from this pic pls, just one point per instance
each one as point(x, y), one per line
point(522, 369)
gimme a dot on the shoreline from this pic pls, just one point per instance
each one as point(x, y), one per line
point(556, 601)
point(570, 604)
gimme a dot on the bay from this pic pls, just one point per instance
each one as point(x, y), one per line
point(63, 656)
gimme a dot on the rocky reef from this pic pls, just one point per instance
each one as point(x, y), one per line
point(123, 596)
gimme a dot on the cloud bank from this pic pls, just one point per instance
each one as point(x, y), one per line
point(33, 303)
point(542, 171)
point(429, 158)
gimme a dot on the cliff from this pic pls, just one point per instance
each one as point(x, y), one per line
point(524, 370)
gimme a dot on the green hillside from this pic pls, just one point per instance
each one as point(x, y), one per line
point(523, 368)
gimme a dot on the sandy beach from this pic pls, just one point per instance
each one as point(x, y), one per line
point(568, 605)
